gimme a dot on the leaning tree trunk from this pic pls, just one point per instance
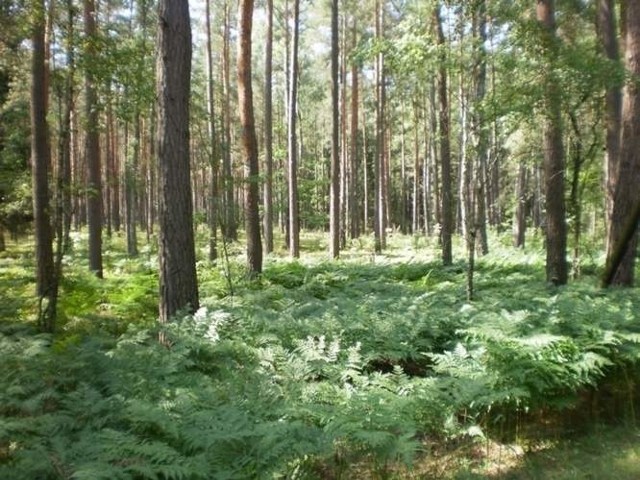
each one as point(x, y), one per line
point(178, 282)
point(606, 28)
point(248, 139)
point(623, 214)
point(556, 229)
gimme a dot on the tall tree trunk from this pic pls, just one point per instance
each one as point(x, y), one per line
point(131, 186)
point(249, 142)
point(214, 164)
point(268, 132)
point(446, 225)
point(556, 229)
point(46, 284)
point(64, 201)
point(292, 144)
point(379, 161)
point(229, 226)
point(606, 27)
point(178, 282)
point(334, 209)
point(480, 133)
point(92, 144)
point(354, 212)
point(628, 170)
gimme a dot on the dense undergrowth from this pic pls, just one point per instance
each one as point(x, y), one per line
point(353, 369)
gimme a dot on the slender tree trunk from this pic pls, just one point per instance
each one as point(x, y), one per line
point(481, 143)
point(628, 171)
point(519, 222)
point(334, 211)
point(354, 212)
point(268, 132)
point(214, 164)
point(131, 186)
point(249, 142)
point(178, 282)
point(292, 144)
point(556, 230)
point(379, 162)
point(446, 225)
point(229, 226)
point(46, 282)
point(92, 144)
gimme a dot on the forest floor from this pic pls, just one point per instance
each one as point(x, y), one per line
point(367, 367)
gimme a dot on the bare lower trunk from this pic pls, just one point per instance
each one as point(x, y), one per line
point(249, 142)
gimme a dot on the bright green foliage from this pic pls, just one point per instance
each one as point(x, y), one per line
point(317, 369)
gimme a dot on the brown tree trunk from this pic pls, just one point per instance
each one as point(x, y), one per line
point(292, 144)
point(446, 225)
point(268, 132)
point(230, 230)
point(628, 170)
point(214, 164)
point(556, 230)
point(178, 282)
point(519, 222)
point(606, 27)
point(130, 182)
point(92, 144)
point(46, 285)
point(248, 138)
point(379, 161)
point(334, 209)
point(354, 212)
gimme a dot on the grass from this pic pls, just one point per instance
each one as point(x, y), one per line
point(382, 355)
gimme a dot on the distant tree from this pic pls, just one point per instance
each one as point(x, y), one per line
point(248, 139)
point(268, 132)
point(178, 282)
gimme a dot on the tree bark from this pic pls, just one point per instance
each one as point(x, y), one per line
point(628, 170)
point(379, 162)
point(249, 142)
point(334, 209)
point(556, 229)
point(354, 211)
point(214, 163)
point(178, 282)
point(46, 285)
point(268, 132)
point(292, 144)
point(92, 144)
point(519, 222)
point(446, 226)
point(230, 230)
point(606, 27)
